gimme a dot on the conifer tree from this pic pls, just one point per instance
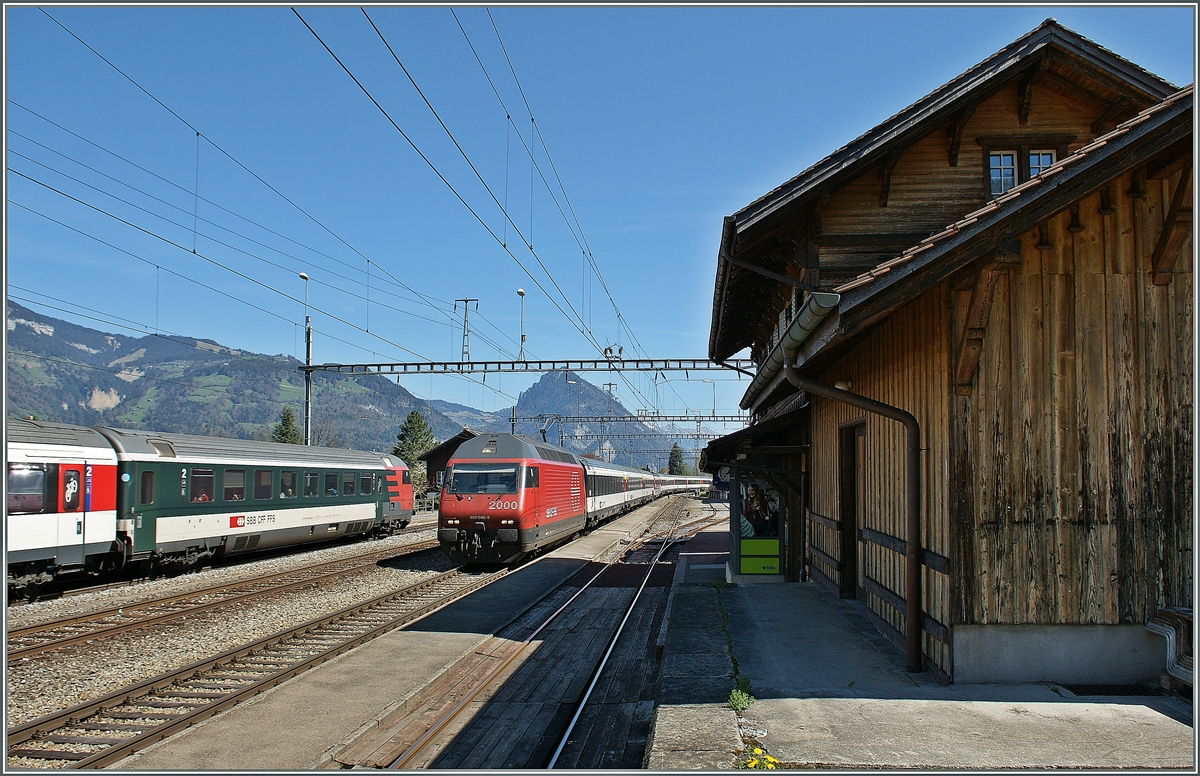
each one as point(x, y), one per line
point(675, 462)
point(286, 430)
point(414, 440)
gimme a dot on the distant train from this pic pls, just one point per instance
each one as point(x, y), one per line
point(99, 499)
point(506, 496)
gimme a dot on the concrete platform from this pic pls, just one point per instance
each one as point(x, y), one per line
point(299, 724)
point(833, 693)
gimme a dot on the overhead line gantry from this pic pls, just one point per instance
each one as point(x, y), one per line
point(744, 366)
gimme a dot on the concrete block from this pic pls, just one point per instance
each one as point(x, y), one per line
point(1067, 654)
point(693, 737)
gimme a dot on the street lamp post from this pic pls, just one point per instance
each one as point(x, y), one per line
point(521, 293)
point(307, 362)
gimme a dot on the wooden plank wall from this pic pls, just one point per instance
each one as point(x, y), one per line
point(926, 193)
point(1072, 467)
point(904, 363)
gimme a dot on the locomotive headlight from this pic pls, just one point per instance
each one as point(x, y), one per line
point(452, 521)
point(507, 522)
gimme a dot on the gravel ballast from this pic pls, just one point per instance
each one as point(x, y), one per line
point(49, 682)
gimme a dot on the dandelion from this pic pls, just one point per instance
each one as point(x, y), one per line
point(753, 763)
point(757, 750)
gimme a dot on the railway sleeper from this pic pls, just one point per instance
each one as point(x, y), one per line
point(49, 754)
point(137, 715)
point(89, 740)
point(125, 726)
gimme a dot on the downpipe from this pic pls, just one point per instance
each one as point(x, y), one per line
point(913, 614)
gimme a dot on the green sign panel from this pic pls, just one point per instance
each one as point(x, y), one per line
point(760, 565)
point(760, 547)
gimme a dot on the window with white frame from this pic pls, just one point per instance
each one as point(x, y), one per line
point(1002, 171)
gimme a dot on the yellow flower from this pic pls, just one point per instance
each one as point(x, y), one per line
point(770, 759)
point(771, 766)
point(751, 763)
point(757, 750)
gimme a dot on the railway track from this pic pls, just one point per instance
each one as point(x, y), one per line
point(70, 587)
point(107, 729)
point(36, 639)
point(523, 695)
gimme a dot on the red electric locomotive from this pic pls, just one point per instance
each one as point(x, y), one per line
point(505, 496)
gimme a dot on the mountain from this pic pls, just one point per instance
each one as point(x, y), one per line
point(470, 417)
point(62, 372)
point(66, 373)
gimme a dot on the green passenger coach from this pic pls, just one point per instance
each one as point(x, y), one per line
point(183, 498)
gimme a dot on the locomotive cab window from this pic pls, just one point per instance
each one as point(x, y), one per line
point(348, 484)
point(287, 484)
point(25, 489)
point(405, 477)
point(204, 485)
point(483, 478)
point(531, 477)
point(235, 485)
point(263, 480)
point(147, 489)
point(331, 483)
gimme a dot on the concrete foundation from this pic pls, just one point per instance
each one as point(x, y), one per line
point(1067, 654)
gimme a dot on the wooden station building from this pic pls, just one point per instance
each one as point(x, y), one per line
point(973, 403)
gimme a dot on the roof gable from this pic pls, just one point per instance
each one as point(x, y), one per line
point(1047, 55)
point(937, 107)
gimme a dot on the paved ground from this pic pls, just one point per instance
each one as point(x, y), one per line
point(833, 693)
point(301, 723)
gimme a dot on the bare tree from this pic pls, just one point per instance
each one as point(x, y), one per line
point(326, 434)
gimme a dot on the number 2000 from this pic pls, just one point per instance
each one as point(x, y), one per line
point(502, 505)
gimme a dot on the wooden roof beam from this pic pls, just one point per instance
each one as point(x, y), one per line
point(885, 174)
point(1177, 227)
point(955, 131)
point(1035, 74)
point(1112, 115)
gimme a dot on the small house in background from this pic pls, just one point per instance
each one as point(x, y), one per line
point(973, 404)
point(437, 458)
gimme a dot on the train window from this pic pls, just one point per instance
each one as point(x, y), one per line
point(263, 480)
point(147, 495)
point(287, 484)
point(71, 492)
point(531, 476)
point(25, 489)
point(365, 485)
point(235, 484)
point(348, 484)
point(331, 483)
point(312, 484)
point(483, 478)
point(406, 477)
point(204, 485)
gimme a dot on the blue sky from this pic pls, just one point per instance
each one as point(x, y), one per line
point(659, 122)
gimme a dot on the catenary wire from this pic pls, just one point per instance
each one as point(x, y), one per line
point(245, 276)
point(236, 161)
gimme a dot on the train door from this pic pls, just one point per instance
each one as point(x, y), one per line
point(531, 494)
point(72, 512)
point(150, 496)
